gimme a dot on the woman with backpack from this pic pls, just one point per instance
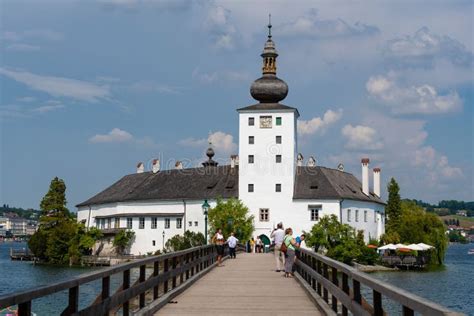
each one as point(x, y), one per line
point(290, 244)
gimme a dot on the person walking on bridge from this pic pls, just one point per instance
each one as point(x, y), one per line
point(219, 241)
point(291, 246)
point(278, 234)
point(232, 243)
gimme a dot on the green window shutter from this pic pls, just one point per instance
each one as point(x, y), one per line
point(278, 121)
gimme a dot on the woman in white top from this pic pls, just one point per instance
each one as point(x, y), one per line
point(219, 241)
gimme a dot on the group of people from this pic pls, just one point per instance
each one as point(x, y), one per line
point(219, 240)
point(287, 249)
point(256, 246)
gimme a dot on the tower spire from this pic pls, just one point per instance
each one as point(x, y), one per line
point(269, 26)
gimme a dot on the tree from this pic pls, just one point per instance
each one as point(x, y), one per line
point(122, 240)
point(393, 208)
point(188, 240)
point(53, 204)
point(231, 216)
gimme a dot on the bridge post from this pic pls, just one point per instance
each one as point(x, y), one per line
point(126, 285)
point(326, 276)
point(165, 283)
point(141, 280)
point(378, 310)
point(335, 281)
point(345, 288)
point(156, 271)
point(105, 289)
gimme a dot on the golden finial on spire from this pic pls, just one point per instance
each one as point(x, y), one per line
point(270, 25)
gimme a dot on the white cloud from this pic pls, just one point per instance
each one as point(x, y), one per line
point(21, 47)
point(361, 137)
point(222, 143)
point(221, 29)
point(59, 86)
point(32, 34)
point(423, 99)
point(423, 47)
point(319, 125)
point(221, 76)
point(312, 26)
point(116, 135)
point(148, 86)
point(51, 105)
point(133, 5)
point(437, 165)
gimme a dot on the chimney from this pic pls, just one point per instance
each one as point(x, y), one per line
point(365, 175)
point(377, 181)
point(155, 165)
point(140, 167)
point(340, 167)
point(311, 162)
point(178, 165)
point(299, 160)
point(234, 161)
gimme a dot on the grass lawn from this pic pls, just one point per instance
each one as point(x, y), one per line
point(465, 222)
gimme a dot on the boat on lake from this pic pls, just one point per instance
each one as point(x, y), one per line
point(470, 252)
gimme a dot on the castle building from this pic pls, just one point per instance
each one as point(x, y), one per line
point(269, 176)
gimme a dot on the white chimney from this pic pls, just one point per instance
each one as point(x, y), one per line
point(365, 175)
point(234, 161)
point(155, 165)
point(299, 160)
point(340, 167)
point(311, 162)
point(377, 181)
point(140, 167)
point(178, 165)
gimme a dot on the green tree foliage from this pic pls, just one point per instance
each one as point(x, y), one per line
point(393, 208)
point(455, 236)
point(188, 240)
point(341, 241)
point(60, 239)
point(231, 216)
point(122, 240)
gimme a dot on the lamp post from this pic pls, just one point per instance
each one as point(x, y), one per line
point(205, 211)
point(163, 240)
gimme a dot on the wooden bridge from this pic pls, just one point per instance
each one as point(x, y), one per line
point(189, 283)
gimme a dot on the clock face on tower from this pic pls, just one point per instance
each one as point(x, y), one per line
point(265, 122)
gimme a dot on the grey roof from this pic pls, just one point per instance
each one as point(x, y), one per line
point(326, 183)
point(268, 106)
point(188, 184)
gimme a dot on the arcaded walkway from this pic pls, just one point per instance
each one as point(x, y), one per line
point(245, 286)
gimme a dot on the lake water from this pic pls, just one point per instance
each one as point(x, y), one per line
point(451, 286)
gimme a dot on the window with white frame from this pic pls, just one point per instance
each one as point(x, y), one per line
point(190, 224)
point(154, 223)
point(251, 140)
point(278, 187)
point(129, 222)
point(264, 215)
point(251, 159)
point(109, 223)
point(102, 223)
point(153, 242)
point(278, 139)
point(179, 222)
point(314, 212)
point(365, 216)
point(278, 158)
point(117, 222)
point(141, 223)
point(167, 223)
point(375, 216)
point(250, 187)
point(196, 223)
point(357, 216)
point(251, 121)
point(348, 215)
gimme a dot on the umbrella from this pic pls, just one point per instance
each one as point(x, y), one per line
point(425, 246)
point(372, 246)
point(388, 247)
point(415, 247)
point(400, 246)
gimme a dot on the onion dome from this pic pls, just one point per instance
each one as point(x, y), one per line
point(269, 88)
point(210, 162)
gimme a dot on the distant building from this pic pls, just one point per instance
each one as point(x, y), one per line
point(461, 213)
point(17, 226)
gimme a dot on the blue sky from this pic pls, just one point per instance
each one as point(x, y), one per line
point(88, 89)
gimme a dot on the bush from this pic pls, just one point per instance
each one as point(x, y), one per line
point(188, 240)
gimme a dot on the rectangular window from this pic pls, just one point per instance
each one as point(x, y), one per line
point(102, 223)
point(153, 242)
point(251, 159)
point(250, 187)
point(251, 140)
point(365, 216)
point(195, 223)
point(265, 122)
point(278, 139)
point(278, 158)
point(357, 215)
point(349, 215)
point(375, 216)
point(109, 223)
point(264, 214)
point(278, 121)
point(314, 212)
point(154, 222)
point(117, 222)
point(190, 224)
point(251, 121)
point(167, 223)
point(141, 223)
point(97, 223)
point(129, 222)
point(179, 222)
point(278, 187)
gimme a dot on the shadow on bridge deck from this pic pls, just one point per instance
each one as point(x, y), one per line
point(246, 286)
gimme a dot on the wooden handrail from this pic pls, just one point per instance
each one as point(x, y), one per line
point(350, 298)
point(193, 261)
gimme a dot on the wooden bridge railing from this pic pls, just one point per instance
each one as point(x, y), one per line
point(171, 274)
point(338, 286)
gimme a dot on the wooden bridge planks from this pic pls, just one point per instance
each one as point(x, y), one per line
point(247, 285)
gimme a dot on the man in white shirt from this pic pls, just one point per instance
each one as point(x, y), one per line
point(278, 234)
point(232, 243)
